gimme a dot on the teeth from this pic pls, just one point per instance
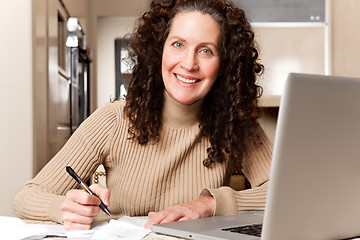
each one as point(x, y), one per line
point(185, 80)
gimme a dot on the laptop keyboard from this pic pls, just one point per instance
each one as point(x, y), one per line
point(254, 230)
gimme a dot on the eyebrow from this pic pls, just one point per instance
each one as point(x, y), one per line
point(201, 44)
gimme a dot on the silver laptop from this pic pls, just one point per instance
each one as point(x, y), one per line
point(314, 188)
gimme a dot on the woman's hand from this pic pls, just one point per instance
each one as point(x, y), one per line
point(202, 207)
point(79, 207)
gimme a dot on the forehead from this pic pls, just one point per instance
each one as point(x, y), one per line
point(196, 26)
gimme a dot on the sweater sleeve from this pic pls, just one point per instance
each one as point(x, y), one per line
point(41, 197)
point(256, 167)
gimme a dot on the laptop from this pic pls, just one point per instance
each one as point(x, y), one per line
point(314, 186)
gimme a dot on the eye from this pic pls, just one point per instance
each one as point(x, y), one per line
point(177, 45)
point(207, 51)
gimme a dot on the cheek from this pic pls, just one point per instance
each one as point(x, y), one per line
point(164, 68)
point(213, 70)
point(168, 61)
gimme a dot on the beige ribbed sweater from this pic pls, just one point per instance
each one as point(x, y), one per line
point(144, 178)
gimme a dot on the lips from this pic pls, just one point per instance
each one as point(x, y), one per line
point(186, 79)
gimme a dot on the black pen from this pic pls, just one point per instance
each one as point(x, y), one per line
point(86, 188)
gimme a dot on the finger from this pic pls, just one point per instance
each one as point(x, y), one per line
point(151, 214)
point(182, 211)
point(69, 205)
point(173, 216)
point(185, 218)
point(69, 217)
point(82, 197)
point(80, 209)
point(154, 218)
point(148, 225)
point(70, 226)
point(102, 192)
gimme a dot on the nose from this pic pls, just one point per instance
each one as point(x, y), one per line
point(189, 61)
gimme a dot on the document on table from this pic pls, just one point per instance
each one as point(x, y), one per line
point(14, 229)
point(124, 228)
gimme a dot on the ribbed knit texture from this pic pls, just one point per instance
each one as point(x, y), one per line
point(144, 178)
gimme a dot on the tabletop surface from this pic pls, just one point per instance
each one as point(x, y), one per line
point(150, 236)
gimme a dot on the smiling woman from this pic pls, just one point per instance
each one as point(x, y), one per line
point(189, 120)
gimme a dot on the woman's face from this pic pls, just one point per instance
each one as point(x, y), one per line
point(190, 61)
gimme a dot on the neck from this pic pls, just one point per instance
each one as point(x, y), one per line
point(177, 115)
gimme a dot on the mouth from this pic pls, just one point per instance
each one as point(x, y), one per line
point(186, 80)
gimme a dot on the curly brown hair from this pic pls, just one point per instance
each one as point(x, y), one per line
point(230, 110)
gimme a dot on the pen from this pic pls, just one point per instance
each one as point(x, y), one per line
point(86, 188)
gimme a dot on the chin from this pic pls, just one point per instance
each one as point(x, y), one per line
point(184, 98)
point(188, 102)
point(184, 101)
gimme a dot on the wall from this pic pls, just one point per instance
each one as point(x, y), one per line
point(109, 29)
point(345, 37)
point(100, 10)
point(16, 138)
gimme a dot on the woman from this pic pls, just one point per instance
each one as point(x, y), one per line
point(189, 120)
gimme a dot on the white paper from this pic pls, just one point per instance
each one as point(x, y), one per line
point(86, 234)
point(15, 229)
point(125, 228)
